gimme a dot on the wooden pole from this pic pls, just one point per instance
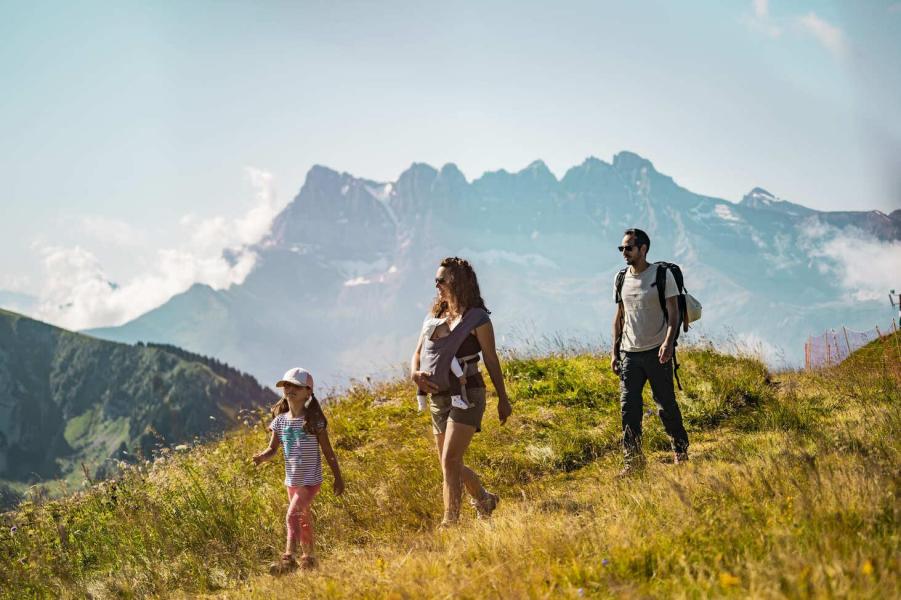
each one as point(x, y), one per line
point(846, 340)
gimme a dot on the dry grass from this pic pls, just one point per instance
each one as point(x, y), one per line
point(792, 492)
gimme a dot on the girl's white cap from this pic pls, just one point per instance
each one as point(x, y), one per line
point(297, 376)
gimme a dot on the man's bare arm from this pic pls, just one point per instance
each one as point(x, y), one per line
point(672, 328)
point(617, 337)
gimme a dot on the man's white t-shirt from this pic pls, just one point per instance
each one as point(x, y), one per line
point(644, 327)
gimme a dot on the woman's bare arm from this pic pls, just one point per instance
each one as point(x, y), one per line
point(485, 335)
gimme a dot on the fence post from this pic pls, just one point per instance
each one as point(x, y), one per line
point(846, 339)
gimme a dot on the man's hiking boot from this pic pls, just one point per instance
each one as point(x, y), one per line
point(486, 505)
point(680, 458)
point(285, 565)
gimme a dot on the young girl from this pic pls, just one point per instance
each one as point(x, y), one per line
point(300, 427)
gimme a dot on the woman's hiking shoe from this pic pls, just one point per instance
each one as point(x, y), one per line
point(285, 565)
point(308, 562)
point(486, 505)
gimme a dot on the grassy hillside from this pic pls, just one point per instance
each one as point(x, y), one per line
point(70, 402)
point(792, 491)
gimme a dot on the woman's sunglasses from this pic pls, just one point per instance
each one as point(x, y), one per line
point(440, 280)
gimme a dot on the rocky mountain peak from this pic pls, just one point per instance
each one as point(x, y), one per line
point(538, 171)
point(629, 162)
point(760, 199)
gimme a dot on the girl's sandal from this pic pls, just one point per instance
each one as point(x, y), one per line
point(286, 565)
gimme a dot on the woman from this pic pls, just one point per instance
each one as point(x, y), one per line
point(469, 332)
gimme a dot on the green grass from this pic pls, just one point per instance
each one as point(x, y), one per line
point(792, 492)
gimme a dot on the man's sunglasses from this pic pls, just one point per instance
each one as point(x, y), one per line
point(627, 248)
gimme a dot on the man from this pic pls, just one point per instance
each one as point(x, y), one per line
point(643, 344)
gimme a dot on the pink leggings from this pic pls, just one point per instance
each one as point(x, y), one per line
point(298, 518)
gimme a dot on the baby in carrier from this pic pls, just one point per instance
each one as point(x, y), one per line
point(437, 326)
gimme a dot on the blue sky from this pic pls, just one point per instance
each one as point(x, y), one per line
point(137, 138)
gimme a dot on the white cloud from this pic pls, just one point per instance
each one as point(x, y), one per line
point(864, 266)
point(219, 232)
point(110, 231)
point(78, 294)
point(15, 283)
point(830, 36)
point(761, 21)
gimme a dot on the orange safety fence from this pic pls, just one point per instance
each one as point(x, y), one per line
point(835, 345)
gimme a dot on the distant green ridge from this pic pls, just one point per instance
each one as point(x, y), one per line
point(68, 399)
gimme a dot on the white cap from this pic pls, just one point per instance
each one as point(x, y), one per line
point(297, 376)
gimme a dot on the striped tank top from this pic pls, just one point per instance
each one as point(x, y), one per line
point(303, 463)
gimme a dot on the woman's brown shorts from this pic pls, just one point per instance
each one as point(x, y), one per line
point(442, 410)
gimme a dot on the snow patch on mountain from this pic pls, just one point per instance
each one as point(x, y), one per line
point(725, 213)
point(493, 257)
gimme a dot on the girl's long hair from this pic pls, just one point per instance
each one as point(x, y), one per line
point(314, 419)
point(464, 287)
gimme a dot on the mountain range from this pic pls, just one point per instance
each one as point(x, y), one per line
point(344, 276)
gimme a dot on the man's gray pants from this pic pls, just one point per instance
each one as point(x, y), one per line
point(635, 369)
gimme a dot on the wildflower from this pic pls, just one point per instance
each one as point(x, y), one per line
point(580, 591)
point(729, 580)
point(13, 529)
point(867, 568)
point(605, 562)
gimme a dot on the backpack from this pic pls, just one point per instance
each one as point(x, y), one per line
point(689, 307)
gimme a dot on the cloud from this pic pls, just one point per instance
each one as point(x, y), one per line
point(760, 19)
point(110, 231)
point(77, 292)
point(830, 36)
point(864, 267)
point(895, 8)
point(249, 229)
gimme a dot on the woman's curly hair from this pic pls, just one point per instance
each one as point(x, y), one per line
point(463, 286)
